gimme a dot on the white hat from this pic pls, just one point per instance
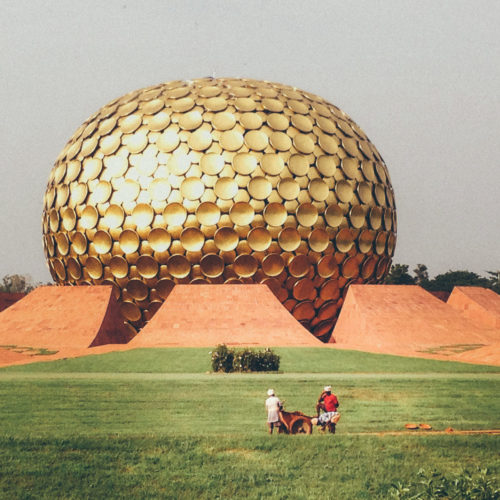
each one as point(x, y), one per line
point(327, 388)
point(270, 392)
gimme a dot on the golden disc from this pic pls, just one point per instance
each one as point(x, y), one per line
point(245, 163)
point(327, 266)
point(344, 240)
point(226, 188)
point(94, 267)
point(79, 243)
point(298, 165)
point(365, 240)
point(250, 121)
point(159, 239)
point(142, 215)
point(192, 239)
point(60, 270)
point(280, 141)
point(226, 239)
point(200, 140)
point(102, 242)
point(175, 214)
point(164, 287)
point(350, 268)
point(259, 239)
point(208, 213)
point(89, 217)
point(273, 264)
point(114, 216)
point(303, 143)
point(278, 121)
point(272, 164)
point(130, 311)
point(159, 189)
point(256, 140)
point(212, 265)
point(376, 218)
point(192, 188)
point(289, 239)
point(318, 240)
point(318, 190)
point(334, 215)
point(147, 266)
point(231, 140)
point(223, 121)
point(275, 214)
point(344, 191)
point(365, 192)
point(288, 189)
point(62, 244)
point(68, 218)
point(118, 266)
point(178, 266)
point(167, 141)
point(74, 268)
point(303, 289)
point(245, 265)
point(368, 267)
point(211, 163)
point(129, 241)
point(350, 167)
point(307, 214)
point(242, 213)
point(330, 290)
point(302, 123)
point(357, 216)
point(304, 311)
point(260, 188)
point(299, 266)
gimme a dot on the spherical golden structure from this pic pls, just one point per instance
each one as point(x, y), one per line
point(221, 181)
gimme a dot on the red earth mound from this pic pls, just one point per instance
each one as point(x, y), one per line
point(64, 317)
point(480, 305)
point(408, 321)
point(207, 315)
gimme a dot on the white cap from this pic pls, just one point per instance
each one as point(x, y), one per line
point(327, 388)
point(270, 392)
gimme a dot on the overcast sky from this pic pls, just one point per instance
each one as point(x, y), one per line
point(422, 79)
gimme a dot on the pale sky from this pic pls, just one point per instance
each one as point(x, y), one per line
point(422, 79)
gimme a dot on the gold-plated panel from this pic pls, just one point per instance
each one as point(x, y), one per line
point(102, 242)
point(178, 266)
point(221, 180)
point(175, 214)
point(318, 240)
point(299, 266)
point(289, 239)
point(212, 265)
point(226, 239)
point(275, 214)
point(273, 264)
point(259, 239)
point(192, 239)
point(118, 266)
point(241, 213)
point(147, 266)
point(245, 265)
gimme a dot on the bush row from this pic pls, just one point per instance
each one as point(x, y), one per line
point(246, 360)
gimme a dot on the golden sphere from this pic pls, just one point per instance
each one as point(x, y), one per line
point(221, 181)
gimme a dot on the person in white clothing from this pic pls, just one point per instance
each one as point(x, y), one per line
point(273, 407)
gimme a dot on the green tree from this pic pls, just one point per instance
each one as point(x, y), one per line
point(421, 274)
point(494, 279)
point(17, 283)
point(445, 282)
point(398, 275)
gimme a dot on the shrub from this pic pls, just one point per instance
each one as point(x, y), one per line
point(222, 359)
point(479, 485)
point(247, 360)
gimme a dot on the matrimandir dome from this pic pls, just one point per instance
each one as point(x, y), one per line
point(221, 181)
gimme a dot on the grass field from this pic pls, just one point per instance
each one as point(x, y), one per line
point(152, 423)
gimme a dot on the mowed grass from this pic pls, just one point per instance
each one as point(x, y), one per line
point(152, 423)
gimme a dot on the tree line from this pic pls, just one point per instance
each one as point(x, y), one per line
point(399, 275)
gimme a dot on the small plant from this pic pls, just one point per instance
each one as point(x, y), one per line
point(222, 359)
point(478, 485)
point(247, 360)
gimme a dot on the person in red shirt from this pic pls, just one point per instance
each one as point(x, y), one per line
point(329, 403)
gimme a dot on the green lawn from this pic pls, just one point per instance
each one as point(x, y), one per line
point(152, 423)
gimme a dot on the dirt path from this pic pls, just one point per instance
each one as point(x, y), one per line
point(426, 433)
